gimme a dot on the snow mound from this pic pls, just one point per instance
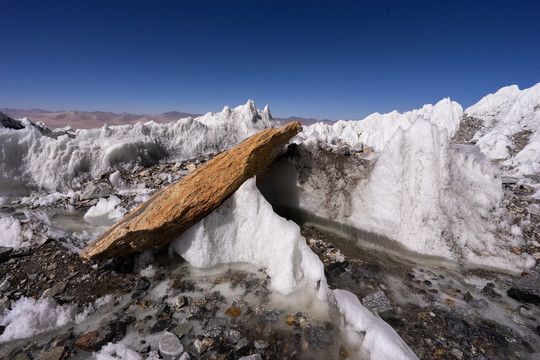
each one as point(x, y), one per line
point(29, 317)
point(245, 229)
point(377, 129)
point(56, 163)
point(508, 112)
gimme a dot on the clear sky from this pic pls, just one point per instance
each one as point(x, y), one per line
point(334, 59)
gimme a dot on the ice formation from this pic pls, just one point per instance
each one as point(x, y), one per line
point(506, 113)
point(377, 129)
point(245, 229)
point(428, 195)
point(36, 160)
point(106, 212)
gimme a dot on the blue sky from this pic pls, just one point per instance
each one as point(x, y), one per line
point(335, 59)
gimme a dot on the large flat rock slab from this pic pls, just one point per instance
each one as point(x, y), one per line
point(173, 209)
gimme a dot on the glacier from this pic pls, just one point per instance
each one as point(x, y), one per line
point(415, 188)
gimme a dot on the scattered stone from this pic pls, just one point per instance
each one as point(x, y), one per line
point(242, 346)
point(53, 354)
point(94, 340)
point(233, 311)
point(261, 344)
point(170, 347)
point(143, 284)
point(526, 289)
point(95, 191)
point(182, 301)
point(251, 357)
point(233, 336)
point(319, 338)
point(55, 290)
point(377, 302)
point(182, 329)
point(199, 346)
point(176, 207)
point(162, 325)
point(468, 297)
point(455, 327)
point(489, 290)
point(489, 334)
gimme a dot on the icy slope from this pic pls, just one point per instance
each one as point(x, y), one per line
point(376, 129)
point(508, 112)
point(245, 229)
point(31, 158)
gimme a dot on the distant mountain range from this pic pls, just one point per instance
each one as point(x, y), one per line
point(95, 119)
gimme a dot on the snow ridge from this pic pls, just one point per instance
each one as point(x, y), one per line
point(27, 156)
point(506, 113)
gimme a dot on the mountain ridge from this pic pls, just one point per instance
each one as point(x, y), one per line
point(95, 119)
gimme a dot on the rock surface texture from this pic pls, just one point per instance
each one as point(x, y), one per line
point(175, 208)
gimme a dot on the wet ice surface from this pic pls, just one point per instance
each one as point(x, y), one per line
point(440, 311)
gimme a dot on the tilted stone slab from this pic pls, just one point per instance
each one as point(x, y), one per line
point(173, 209)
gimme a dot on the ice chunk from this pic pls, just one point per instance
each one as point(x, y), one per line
point(116, 179)
point(244, 229)
point(116, 352)
point(106, 212)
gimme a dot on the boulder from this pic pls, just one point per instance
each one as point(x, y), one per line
point(175, 208)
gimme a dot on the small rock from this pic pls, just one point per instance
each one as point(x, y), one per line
point(251, 357)
point(55, 290)
point(242, 345)
point(526, 289)
point(233, 311)
point(478, 304)
point(233, 335)
point(455, 327)
point(182, 329)
point(377, 302)
point(94, 340)
point(261, 344)
point(4, 253)
point(143, 284)
point(489, 290)
point(199, 346)
point(468, 297)
point(191, 167)
point(94, 191)
point(162, 325)
point(181, 302)
point(186, 356)
point(53, 354)
point(170, 347)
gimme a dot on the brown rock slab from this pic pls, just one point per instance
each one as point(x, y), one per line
point(175, 208)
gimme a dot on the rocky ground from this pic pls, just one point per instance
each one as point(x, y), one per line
point(171, 308)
